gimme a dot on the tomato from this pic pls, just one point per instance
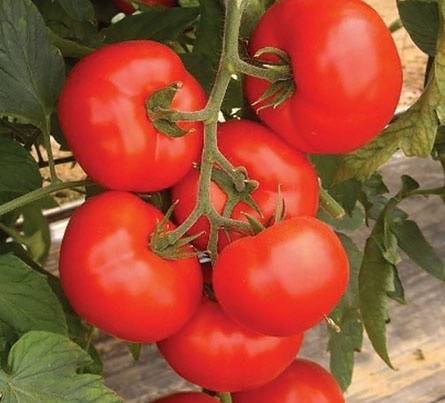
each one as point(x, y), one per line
point(283, 280)
point(188, 397)
point(114, 281)
point(217, 354)
point(346, 69)
point(304, 381)
point(103, 117)
point(127, 8)
point(269, 161)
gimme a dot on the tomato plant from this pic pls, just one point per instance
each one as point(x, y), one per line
point(285, 279)
point(114, 281)
point(246, 359)
point(202, 114)
point(187, 397)
point(126, 7)
point(303, 381)
point(344, 95)
point(278, 169)
point(102, 112)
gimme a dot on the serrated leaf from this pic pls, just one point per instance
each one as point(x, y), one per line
point(421, 20)
point(414, 132)
point(347, 316)
point(31, 68)
point(375, 281)
point(27, 302)
point(418, 249)
point(42, 369)
point(158, 24)
point(19, 172)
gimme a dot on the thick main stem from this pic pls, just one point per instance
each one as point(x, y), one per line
point(211, 153)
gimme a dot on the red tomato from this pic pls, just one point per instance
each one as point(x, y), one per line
point(303, 382)
point(217, 354)
point(127, 8)
point(269, 161)
point(103, 116)
point(346, 68)
point(188, 397)
point(114, 281)
point(283, 280)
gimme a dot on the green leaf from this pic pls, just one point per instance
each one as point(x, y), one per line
point(135, 350)
point(414, 244)
point(414, 132)
point(397, 293)
point(31, 69)
point(19, 172)
point(347, 316)
point(36, 229)
point(421, 20)
point(70, 21)
point(158, 24)
point(375, 281)
point(80, 10)
point(42, 369)
point(26, 300)
point(253, 12)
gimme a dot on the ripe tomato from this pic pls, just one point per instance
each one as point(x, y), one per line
point(103, 116)
point(304, 381)
point(114, 281)
point(188, 397)
point(283, 280)
point(269, 161)
point(127, 8)
point(346, 68)
point(217, 354)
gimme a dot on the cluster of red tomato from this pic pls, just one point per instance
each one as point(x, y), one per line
point(270, 287)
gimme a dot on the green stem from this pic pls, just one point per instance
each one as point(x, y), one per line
point(39, 194)
point(58, 161)
point(49, 150)
point(225, 397)
point(211, 153)
point(439, 191)
point(330, 205)
point(276, 74)
point(395, 25)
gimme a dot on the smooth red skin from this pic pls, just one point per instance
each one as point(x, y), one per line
point(114, 281)
point(127, 8)
point(217, 354)
point(269, 161)
point(103, 117)
point(304, 381)
point(346, 69)
point(188, 397)
point(283, 280)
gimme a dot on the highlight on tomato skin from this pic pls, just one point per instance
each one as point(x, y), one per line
point(284, 280)
point(215, 353)
point(345, 95)
point(278, 168)
point(114, 281)
point(304, 381)
point(103, 116)
point(127, 8)
point(187, 397)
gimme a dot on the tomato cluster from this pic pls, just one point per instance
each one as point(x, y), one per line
point(267, 288)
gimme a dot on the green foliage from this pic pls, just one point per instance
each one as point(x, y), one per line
point(31, 69)
point(42, 367)
point(19, 172)
point(346, 315)
point(26, 299)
